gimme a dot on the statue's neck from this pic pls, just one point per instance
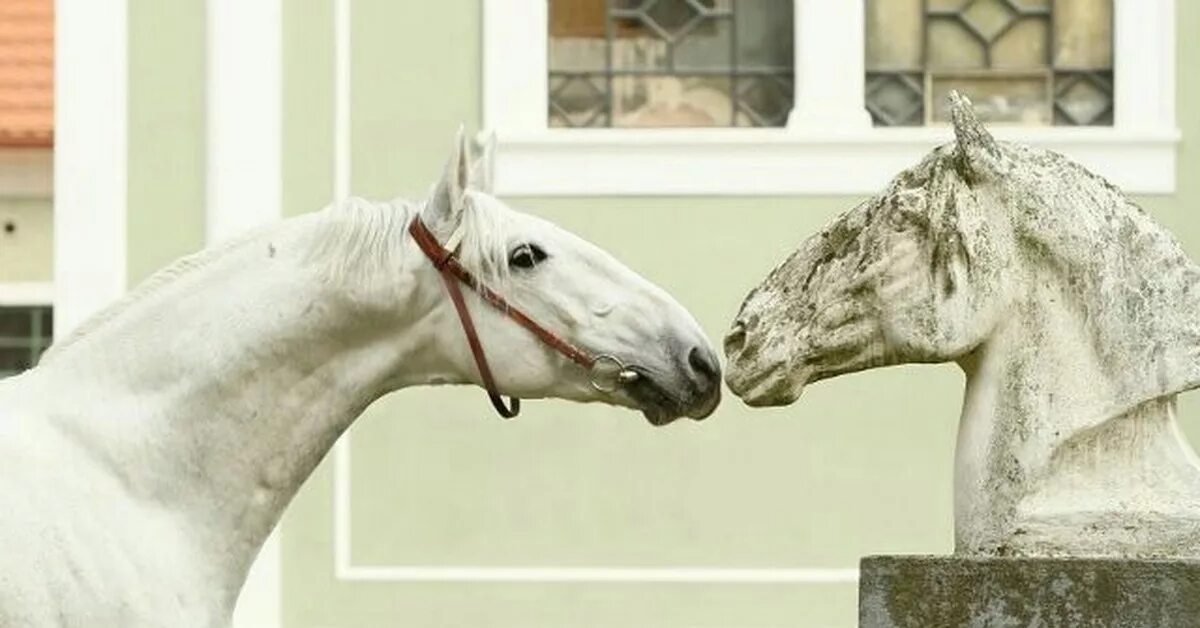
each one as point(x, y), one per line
point(217, 398)
point(1038, 434)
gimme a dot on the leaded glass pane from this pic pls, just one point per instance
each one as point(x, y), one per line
point(670, 63)
point(1011, 98)
point(1023, 46)
point(1083, 35)
point(671, 101)
point(901, 49)
point(950, 45)
point(1030, 62)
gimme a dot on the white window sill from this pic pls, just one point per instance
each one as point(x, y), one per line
point(21, 293)
point(759, 162)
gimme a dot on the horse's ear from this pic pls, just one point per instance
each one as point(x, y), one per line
point(977, 149)
point(481, 166)
point(443, 212)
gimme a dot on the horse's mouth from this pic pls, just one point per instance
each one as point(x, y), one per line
point(660, 405)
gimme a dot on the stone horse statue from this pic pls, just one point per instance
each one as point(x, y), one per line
point(145, 460)
point(1075, 317)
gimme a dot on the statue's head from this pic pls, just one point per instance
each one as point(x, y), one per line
point(927, 270)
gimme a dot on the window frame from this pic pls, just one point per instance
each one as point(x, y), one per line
point(829, 145)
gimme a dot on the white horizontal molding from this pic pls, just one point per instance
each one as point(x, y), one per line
point(26, 172)
point(773, 162)
point(680, 575)
point(26, 293)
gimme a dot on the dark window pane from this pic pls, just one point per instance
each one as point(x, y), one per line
point(15, 322)
point(25, 332)
point(14, 360)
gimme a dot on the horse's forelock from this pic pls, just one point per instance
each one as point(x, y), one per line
point(487, 224)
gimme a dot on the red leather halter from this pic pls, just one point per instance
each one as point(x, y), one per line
point(452, 273)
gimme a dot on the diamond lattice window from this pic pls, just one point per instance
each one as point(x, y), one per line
point(670, 63)
point(25, 332)
point(1031, 62)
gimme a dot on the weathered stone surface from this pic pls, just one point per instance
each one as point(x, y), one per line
point(1073, 314)
point(948, 592)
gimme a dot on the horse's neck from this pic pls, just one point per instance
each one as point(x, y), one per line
point(218, 396)
point(1038, 429)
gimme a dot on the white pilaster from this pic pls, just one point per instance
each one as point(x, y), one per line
point(244, 115)
point(91, 63)
point(515, 45)
point(244, 80)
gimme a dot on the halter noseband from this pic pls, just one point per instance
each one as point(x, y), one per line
point(606, 372)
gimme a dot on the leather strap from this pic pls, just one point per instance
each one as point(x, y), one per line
point(485, 372)
point(453, 272)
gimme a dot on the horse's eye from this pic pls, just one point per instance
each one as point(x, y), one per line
point(526, 256)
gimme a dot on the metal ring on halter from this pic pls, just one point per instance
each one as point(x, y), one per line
point(618, 374)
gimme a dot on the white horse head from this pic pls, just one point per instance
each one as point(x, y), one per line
point(173, 428)
point(572, 288)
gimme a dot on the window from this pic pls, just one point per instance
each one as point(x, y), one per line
point(659, 97)
point(1032, 62)
point(670, 63)
point(25, 332)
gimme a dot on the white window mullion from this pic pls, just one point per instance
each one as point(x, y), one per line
point(1144, 64)
point(829, 66)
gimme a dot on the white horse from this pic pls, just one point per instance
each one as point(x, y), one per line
point(145, 460)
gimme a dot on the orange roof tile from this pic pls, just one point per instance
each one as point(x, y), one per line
point(26, 72)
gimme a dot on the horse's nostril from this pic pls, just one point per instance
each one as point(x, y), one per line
point(704, 363)
point(736, 338)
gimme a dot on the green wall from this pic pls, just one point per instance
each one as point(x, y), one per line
point(859, 465)
point(166, 133)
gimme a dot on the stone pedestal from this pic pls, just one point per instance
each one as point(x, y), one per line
point(947, 592)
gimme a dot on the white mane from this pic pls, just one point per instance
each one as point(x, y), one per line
point(487, 223)
point(353, 236)
point(151, 285)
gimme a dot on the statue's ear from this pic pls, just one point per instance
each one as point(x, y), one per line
point(977, 150)
point(443, 212)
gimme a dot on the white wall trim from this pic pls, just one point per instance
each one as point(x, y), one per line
point(244, 178)
point(26, 293)
point(90, 159)
point(828, 146)
point(346, 570)
point(27, 172)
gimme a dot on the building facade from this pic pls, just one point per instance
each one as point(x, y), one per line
point(434, 512)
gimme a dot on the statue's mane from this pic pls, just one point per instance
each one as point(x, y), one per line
point(1134, 286)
